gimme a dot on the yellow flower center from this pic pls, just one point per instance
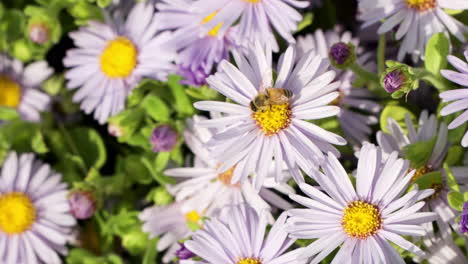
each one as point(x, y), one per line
point(421, 5)
point(214, 31)
point(249, 261)
point(17, 213)
point(273, 118)
point(420, 172)
point(437, 187)
point(253, 1)
point(192, 216)
point(119, 58)
point(361, 219)
point(10, 92)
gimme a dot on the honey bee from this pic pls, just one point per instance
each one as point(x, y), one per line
point(271, 96)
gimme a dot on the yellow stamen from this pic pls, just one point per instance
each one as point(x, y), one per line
point(420, 172)
point(10, 92)
point(253, 1)
point(249, 261)
point(226, 177)
point(192, 216)
point(437, 187)
point(17, 213)
point(214, 31)
point(119, 58)
point(361, 219)
point(421, 5)
point(273, 118)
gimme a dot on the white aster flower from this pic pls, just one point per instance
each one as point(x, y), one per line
point(112, 58)
point(19, 87)
point(365, 218)
point(35, 218)
point(416, 20)
point(267, 120)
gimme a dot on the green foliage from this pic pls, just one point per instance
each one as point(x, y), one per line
point(82, 256)
point(419, 152)
point(397, 113)
point(428, 180)
point(437, 49)
point(456, 200)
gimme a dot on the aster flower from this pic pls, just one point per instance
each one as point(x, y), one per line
point(268, 119)
point(237, 237)
point(416, 21)
point(111, 58)
point(199, 50)
point(35, 219)
point(458, 96)
point(256, 17)
point(464, 219)
point(203, 192)
point(363, 219)
point(19, 87)
point(440, 250)
point(357, 109)
point(434, 136)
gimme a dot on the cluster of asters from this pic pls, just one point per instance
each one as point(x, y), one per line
point(252, 146)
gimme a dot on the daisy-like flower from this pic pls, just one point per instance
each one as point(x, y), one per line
point(355, 124)
point(428, 130)
point(238, 237)
point(204, 192)
point(198, 50)
point(256, 17)
point(458, 96)
point(363, 219)
point(268, 120)
point(19, 87)
point(35, 218)
point(416, 20)
point(111, 58)
point(440, 250)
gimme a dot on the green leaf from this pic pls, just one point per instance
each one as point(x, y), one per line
point(419, 152)
point(427, 180)
point(456, 200)
point(89, 146)
point(398, 114)
point(454, 155)
point(307, 20)
point(437, 49)
point(451, 180)
point(157, 175)
point(156, 108)
point(135, 241)
point(183, 105)
point(8, 113)
point(151, 252)
point(136, 170)
point(161, 160)
point(38, 143)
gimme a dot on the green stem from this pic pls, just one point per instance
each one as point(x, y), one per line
point(367, 75)
point(72, 145)
point(381, 53)
point(430, 78)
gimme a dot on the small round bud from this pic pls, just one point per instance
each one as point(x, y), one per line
point(464, 219)
point(342, 55)
point(38, 33)
point(21, 50)
point(114, 130)
point(82, 204)
point(394, 81)
point(183, 253)
point(163, 138)
point(161, 196)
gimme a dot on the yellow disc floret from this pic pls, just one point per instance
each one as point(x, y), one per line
point(192, 216)
point(17, 213)
point(119, 58)
point(214, 31)
point(420, 172)
point(249, 261)
point(253, 1)
point(273, 118)
point(10, 92)
point(421, 5)
point(361, 219)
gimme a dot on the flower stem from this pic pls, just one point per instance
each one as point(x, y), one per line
point(367, 75)
point(381, 53)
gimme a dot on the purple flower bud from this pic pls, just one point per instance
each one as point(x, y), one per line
point(464, 218)
point(184, 253)
point(82, 204)
point(163, 139)
point(394, 81)
point(38, 33)
point(340, 52)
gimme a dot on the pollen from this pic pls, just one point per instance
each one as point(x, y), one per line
point(249, 261)
point(214, 31)
point(361, 220)
point(421, 5)
point(10, 92)
point(253, 1)
point(192, 216)
point(17, 213)
point(273, 118)
point(119, 58)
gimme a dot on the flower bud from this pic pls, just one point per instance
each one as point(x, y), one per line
point(398, 79)
point(21, 50)
point(163, 138)
point(342, 55)
point(183, 253)
point(394, 81)
point(464, 219)
point(38, 33)
point(161, 196)
point(82, 204)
